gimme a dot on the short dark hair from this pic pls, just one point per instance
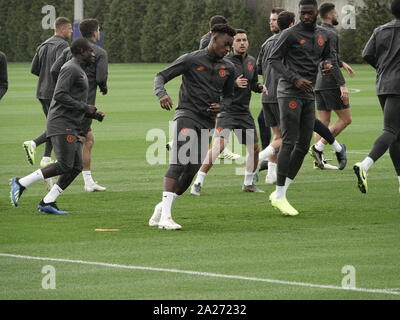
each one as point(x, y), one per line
point(308, 2)
point(88, 27)
point(395, 7)
point(325, 8)
point(223, 28)
point(60, 22)
point(285, 19)
point(277, 10)
point(79, 45)
point(241, 31)
point(218, 19)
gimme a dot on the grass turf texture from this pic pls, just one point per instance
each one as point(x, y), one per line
point(225, 231)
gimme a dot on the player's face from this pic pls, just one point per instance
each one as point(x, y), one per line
point(240, 44)
point(222, 44)
point(67, 31)
point(273, 23)
point(335, 17)
point(308, 15)
point(88, 55)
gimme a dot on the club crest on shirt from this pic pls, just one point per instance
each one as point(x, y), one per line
point(185, 131)
point(201, 68)
point(321, 41)
point(70, 138)
point(302, 41)
point(250, 66)
point(222, 71)
point(292, 105)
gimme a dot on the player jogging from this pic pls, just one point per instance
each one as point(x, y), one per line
point(382, 53)
point(67, 110)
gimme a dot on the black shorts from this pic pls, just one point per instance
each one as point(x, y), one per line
point(271, 114)
point(190, 142)
point(85, 126)
point(328, 100)
point(68, 151)
point(242, 125)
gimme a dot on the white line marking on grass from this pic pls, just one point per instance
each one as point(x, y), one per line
point(353, 90)
point(204, 274)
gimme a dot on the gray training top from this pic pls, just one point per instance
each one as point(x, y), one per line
point(206, 79)
point(205, 41)
point(68, 106)
point(97, 72)
point(3, 75)
point(383, 53)
point(298, 53)
point(245, 66)
point(46, 54)
point(328, 82)
point(271, 77)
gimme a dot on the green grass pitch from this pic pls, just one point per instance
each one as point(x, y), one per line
point(225, 231)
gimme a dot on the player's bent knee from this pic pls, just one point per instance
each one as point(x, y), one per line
point(64, 167)
point(174, 171)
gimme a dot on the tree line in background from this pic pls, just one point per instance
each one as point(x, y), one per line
point(161, 30)
point(373, 14)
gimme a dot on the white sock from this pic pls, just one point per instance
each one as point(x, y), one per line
point(320, 146)
point(200, 177)
point(266, 153)
point(53, 194)
point(33, 143)
point(288, 182)
point(167, 200)
point(46, 159)
point(280, 192)
point(248, 178)
point(367, 163)
point(87, 177)
point(31, 178)
point(336, 146)
point(272, 169)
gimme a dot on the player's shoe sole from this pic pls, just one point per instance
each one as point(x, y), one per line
point(16, 191)
point(30, 152)
point(361, 177)
point(195, 190)
point(318, 157)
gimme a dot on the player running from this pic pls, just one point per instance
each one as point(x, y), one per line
point(206, 90)
point(97, 73)
point(46, 54)
point(382, 53)
point(331, 93)
point(67, 110)
point(297, 55)
point(237, 117)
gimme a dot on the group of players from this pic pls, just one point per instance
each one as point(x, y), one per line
point(67, 85)
point(300, 65)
